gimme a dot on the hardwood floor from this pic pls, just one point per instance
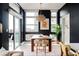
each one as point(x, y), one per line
point(26, 48)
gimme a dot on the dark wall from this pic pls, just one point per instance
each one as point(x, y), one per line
point(0, 40)
point(58, 17)
point(0, 13)
point(22, 24)
point(4, 20)
point(0, 22)
point(4, 14)
point(47, 14)
point(73, 9)
point(58, 22)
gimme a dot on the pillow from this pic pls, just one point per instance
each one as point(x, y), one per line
point(17, 54)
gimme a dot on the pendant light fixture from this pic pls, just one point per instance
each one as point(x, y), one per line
point(40, 17)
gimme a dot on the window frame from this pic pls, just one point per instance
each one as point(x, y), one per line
point(31, 24)
point(53, 32)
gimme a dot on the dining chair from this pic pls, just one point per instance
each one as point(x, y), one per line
point(63, 49)
point(41, 45)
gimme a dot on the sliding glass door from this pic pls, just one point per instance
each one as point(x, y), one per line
point(16, 32)
point(11, 39)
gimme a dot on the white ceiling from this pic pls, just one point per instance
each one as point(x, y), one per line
point(44, 6)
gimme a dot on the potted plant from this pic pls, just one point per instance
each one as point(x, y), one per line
point(57, 30)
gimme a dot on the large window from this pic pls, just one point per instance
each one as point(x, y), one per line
point(31, 13)
point(17, 32)
point(53, 21)
point(11, 42)
point(31, 22)
point(10, 23)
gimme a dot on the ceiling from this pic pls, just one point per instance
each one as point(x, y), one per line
point(44, 6)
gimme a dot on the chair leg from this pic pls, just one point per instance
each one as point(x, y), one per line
point(36, 51)
point(44, 50)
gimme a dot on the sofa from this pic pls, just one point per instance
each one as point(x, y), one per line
point(11, 53)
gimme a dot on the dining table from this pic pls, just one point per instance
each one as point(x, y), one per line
point(39, 37)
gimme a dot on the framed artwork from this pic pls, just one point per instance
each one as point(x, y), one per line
point(44, 25)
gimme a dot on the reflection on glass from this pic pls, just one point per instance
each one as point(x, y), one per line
point(17, 32)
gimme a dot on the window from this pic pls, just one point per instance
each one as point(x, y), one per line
point(53, 21)
point(10, 23)
point(31, 22)
point(53, 14)
point(31, 13)
point(17, 32)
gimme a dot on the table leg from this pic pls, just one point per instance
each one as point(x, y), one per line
point(49, 45)
point(32, 45)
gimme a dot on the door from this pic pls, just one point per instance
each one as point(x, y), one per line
point(11, 39)
point(16, 32)
point(65, 25)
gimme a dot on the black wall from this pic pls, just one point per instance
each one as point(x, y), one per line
point(0, 22)
point(73, 9)
point(4, 14)
point(47, 14)
point(58, 22)
point(22, 24)
point(24, 16)
point(4, 20)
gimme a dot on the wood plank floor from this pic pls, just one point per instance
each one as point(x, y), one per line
point(26, 48)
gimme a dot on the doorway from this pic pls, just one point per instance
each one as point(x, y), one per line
point(14, 32)
point(11, 32)
point(65, 28)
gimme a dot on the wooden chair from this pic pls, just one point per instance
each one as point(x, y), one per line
point(66, 50)
point(41, 45)
point(63, 49)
